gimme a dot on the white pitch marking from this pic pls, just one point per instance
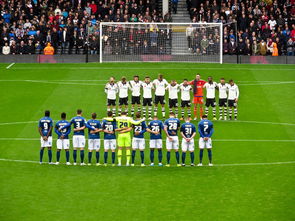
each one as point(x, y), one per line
point(9, 66)
point(216, 165)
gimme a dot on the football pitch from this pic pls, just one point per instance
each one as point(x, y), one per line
point(252, 178)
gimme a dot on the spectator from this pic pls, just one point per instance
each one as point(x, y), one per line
point(6, 49)
point(290, 47)
point(275, 51)
point(204, 45)
point(262, 47)
point(189, 35)
point(232, 46)
point(48, 50)
point(174, 6)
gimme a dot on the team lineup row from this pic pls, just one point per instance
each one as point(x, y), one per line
point(117, 135)
point(228, 96)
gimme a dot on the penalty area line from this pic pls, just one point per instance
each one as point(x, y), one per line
point(9, 66)
point(216, 165)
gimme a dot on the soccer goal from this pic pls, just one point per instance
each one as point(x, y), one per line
point(161, 42)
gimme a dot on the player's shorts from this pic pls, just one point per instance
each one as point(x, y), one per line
point(123, 101)
point(47, 143)
point(222, 102)
point(111, 102)
point(159, 99)
point(232, 103)
point(124, 140)
point(187, 146)
point(110, 144)
point(147, 101)
point(210, 102)
point(135, 100)
point(138, 143)
point(78, 141)
point(63, 144)
point(198, 100)
point(173, 103)
point(156, 143)
point(93, 144)
point(205, 144)
point(185, 103)
point(174, 144)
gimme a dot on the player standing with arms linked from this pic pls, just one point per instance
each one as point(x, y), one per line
point(135, 86)
point(63, 141)
point(45, 130)
point(198, 94)
point(223, 88)
point(111, 89)
point(160, 85)
point(185, 90)
point(155, 128)
point(210, 86)
point(171, 126)
point(147, 88)
point(205, 128)
point(233, 96)
point(188, 132)
point(173, 89)
point(123, 87)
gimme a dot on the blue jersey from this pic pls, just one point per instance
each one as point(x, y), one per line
point(65, 132)
point(110, 126)
point(78, 122)
point(156, 126)
point(188, 129)
point(172, 125)
point(93, 124)
point(205, 128)
point(45, 123)
point(141, 128)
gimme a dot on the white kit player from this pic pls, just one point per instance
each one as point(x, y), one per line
point(135, 87)
point(173, 89)
point(111, 89)
point(211, 87)
point(147, 87)
point(185, 90)
point(160, 87)
point(233, 96)
point(223, 89)
point(123, 87)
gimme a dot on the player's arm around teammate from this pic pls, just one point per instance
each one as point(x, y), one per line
point(160, 88)
point(188, 132)
point(111, 89)
point(233, 97)
point(45, 130)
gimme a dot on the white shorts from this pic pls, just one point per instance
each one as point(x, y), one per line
point(110, 144)
point(63, 144)
point(138, 143)
point(156, 143)
point(174, 144)
point(187, 146)
point(205, 144)
point(78, 141)
point(47, 143)
point(93, 144)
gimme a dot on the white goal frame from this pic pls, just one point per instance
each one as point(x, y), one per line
point(164, 23)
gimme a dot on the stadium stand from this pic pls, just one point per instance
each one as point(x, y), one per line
point(27, 26)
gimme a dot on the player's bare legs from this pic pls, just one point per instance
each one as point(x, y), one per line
point(163, 110)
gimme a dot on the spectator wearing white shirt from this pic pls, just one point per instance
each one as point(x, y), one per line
point(6, 49)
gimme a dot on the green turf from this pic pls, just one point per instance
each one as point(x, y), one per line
point(31, 191)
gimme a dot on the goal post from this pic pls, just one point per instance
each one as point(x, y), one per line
point(161, 42)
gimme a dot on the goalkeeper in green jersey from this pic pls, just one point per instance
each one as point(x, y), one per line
point(124, 127)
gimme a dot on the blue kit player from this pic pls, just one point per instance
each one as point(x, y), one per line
point(155, 128)
point(63, 141)
point(171, 126)
point(188, 132)
point(206, 130)
point(45, 130)
point(138, 141)
point(110, 142)
point(94, 127)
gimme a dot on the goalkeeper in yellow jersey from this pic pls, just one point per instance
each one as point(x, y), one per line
point(124, 127)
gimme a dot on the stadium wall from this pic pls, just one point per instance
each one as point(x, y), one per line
point(232, 59)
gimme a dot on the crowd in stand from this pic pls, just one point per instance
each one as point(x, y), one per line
point(264, 27)
point(27, 26)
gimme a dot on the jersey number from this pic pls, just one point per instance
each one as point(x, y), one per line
point(172, 126)
point(64, 130)
point(45, 125)
point(109, 127)
point(206, 126)
point(138, 128)
point(155, 128)
point(123, 124)
point(188, 131)
point(78, 125)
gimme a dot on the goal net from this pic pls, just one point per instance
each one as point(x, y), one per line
point(161, 42)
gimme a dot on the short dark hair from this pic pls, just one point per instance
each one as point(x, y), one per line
point(137, 114)
point(79, 111)
point(110, 113)
point(185, 79)
point(63, 115)
point(135, 76)
point(231, 80)
point(124, 113)
point(47, 113)
point(147, 76)
point(204, 116)
point(172, 113)
point(93, 115)
point(221, 78)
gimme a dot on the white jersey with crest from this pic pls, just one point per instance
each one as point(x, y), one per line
point(210, 89)
point(147, 89)
point(135, 88)
point(173, 91)
point(111, 91)
point(123, 89)
point(185, 92)
point(233, 92)
point(223, 88)
point(160, 87)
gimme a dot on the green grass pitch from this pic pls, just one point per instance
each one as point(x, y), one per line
point(254, 157)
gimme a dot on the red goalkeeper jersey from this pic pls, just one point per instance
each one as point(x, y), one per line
point(198, 87)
